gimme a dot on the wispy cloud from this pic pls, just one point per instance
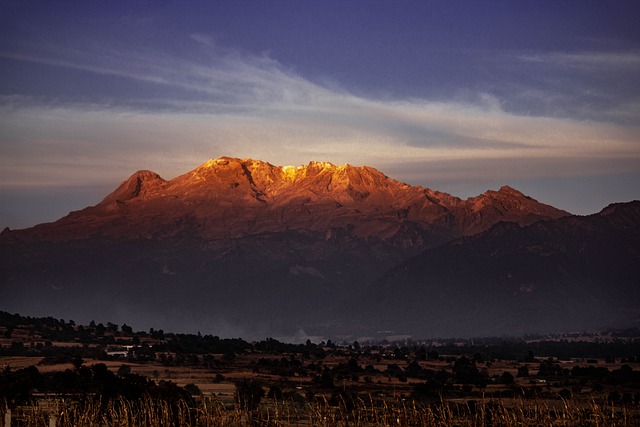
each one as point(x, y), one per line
point(627, 60)
point(596, 86)
point(232, 103)
point(205, 39)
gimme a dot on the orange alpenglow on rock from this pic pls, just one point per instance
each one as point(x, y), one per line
point(230, 197)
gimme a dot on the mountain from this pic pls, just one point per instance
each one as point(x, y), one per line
point(572, 273)
point(232, 198)
point(238, 246)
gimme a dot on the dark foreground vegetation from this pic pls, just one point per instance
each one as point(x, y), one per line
point(54, 370)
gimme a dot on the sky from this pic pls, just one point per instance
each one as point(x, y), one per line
point(456, 96)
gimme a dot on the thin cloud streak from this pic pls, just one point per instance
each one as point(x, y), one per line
point(600, 60)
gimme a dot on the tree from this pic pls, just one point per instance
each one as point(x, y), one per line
point(248, 394)
point(16, 386)
point(523, 372)
point(465, 371)
point(100, 329)
point(326, 378)
point(432, 355)
point(124, 370)
point(506, 378)
point(549, 369)
point(192, 389)
point(77, 362)
point(413, 370)
point(565, 394)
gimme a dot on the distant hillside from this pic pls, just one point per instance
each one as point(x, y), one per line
point(559, 275)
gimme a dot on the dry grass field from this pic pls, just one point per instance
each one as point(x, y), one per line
point(381, 401)
point(320, 413)
point(205, 381)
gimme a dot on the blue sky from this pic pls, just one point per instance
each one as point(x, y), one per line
point(458, 96)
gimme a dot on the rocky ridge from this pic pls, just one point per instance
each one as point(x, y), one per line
point(231, 198)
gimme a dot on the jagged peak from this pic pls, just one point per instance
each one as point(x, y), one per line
point(137, 184)
point(288, 171)
point(145, 175)
point(226, 161)
point(509, 189)
point(214, 167)
point(323, 165)
point(267, 179)
point(505, 190)
point(291, 172)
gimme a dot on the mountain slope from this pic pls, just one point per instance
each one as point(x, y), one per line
point(557, 275)
point(237, 242)
point(229, 198)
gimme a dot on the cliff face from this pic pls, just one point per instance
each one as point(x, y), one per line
point(238, 243)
